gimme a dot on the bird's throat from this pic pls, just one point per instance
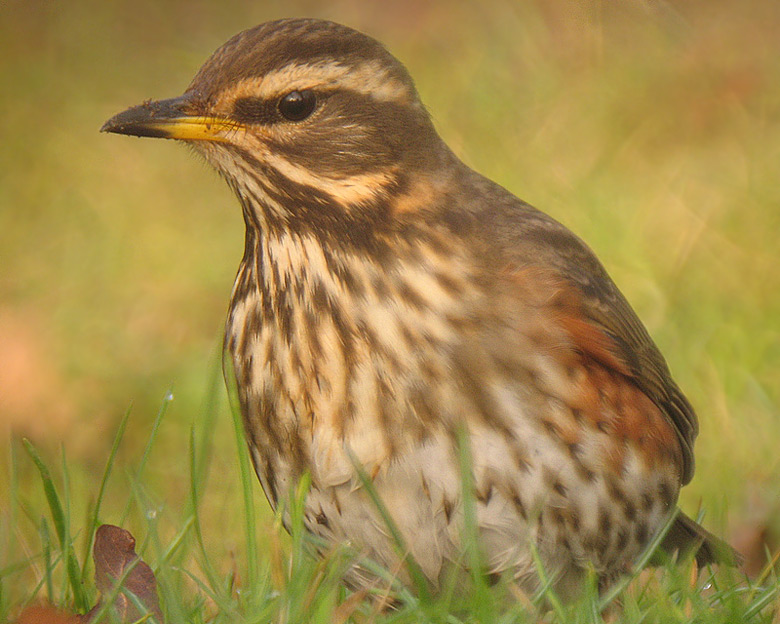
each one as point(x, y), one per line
point(317, 334)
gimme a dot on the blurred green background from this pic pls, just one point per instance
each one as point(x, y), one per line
point(651, 129)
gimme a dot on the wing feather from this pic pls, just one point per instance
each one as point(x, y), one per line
point(516, 237)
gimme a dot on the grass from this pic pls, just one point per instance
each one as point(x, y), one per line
point(650, 129)
point(283, 580)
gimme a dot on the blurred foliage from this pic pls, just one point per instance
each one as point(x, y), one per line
point(650, 128)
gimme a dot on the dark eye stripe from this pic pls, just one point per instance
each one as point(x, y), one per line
point(253, 110)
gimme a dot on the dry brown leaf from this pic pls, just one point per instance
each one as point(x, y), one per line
point(46, 614)
point(115, 558)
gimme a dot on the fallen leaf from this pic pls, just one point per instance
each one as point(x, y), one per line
point(46, 614)
point(116, 561)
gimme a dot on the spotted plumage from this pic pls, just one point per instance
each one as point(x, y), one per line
point(390, 298)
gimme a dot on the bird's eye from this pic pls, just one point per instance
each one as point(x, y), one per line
point(298, 105)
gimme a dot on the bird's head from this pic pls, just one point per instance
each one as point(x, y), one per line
point(313, 124)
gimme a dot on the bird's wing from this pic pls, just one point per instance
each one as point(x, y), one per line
point(599, 320)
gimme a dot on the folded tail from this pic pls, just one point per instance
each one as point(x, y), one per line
point(687, 536)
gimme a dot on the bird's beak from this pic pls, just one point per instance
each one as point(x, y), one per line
point(170, 119)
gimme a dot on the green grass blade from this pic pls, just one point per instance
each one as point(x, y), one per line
point(148, 449)
point(61, 528)
point(227, 610)
point(47, 562)
point(176, 543)
point(153, 434)
point(590, 602)
point(415, 572)
point(299, 576)
point(93, 520)
point(206, 424)
point(173, 607)
point(72, 564)
point(195, 485)
point(546, 591)
point(246, 473)
point(761, 602)
point(471, 540)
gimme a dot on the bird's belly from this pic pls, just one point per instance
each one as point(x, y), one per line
point(529, 493)
point(567, 457)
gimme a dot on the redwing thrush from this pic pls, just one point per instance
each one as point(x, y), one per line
point(389, 296)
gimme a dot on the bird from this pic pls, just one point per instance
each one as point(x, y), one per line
point(393, 307)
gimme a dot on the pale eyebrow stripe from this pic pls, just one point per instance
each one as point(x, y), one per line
point(368, 78)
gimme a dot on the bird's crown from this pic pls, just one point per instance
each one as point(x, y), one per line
point(275, 57)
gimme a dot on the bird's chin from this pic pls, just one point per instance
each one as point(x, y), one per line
point(224, 159)
point(218, 155)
